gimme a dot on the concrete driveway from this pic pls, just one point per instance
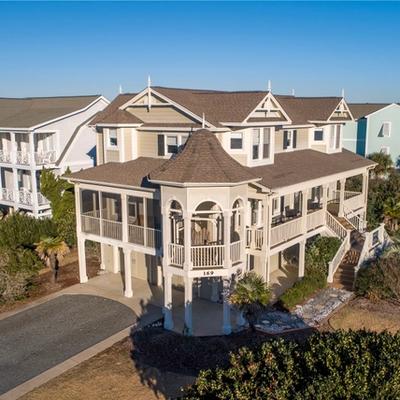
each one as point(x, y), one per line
point(45, 335)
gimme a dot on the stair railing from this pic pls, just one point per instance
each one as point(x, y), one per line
point(354, 220)
point(337, 259)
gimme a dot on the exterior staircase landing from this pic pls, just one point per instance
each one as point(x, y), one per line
point(345, 274)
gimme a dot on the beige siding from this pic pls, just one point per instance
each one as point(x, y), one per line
point(112, 155)
point(319, 147)
point(128, 144)
point(302, 140)
point(147, 144)
point(242, 158)
point(160, 114)
point(100, 148)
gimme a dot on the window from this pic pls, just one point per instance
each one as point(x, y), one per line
point(112, 138)
point(275, 205)
point(236, 140)
point(256, 144)
point(172, 144)
point(266, 143)
point(385, 150)
point(318, 135)
point(289, 139)
point(334, 137)
point(386, 129)
point(261, 148)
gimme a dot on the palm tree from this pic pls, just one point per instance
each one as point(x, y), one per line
point(250, 295)
point(384, 161)
point(52, 250)
point(391, 211)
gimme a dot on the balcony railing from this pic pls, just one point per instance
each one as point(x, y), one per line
point(315, 219)
point(254, 238)
point(352, 200)
point(176, 254)
point(236, 251)
point(93, 224)
point(284, 232)
point(23, 196)
point(21, 157)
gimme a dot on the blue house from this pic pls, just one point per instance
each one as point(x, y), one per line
point(376, 127)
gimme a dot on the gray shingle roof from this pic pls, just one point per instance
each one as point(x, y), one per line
point(360, 110)
point(31, 111)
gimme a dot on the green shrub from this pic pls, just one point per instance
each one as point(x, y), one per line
point(20, 230)
point(319, 253)
point(380, 279)
point(18, 267)
point(328, 366)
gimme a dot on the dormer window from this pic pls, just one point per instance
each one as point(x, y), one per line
point(236, 140)
point(172, 144)
point(112, 138)
point(289, 139)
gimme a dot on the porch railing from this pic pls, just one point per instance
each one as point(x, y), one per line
point(7, 194)
point(207, 256)
point(5, 156)
point(336, 261)
point(284, 232)
point(315, 219)
point(90, 224)
point(236, 251)
point(45, 157)
point(334, 225)
point(22, 158)
point(176, 254)
point(352, 200)
point(112, 229)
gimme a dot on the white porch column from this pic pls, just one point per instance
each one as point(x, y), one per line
point(304, 196)
point(128, 273)
point(187, 227)
point(188, 304)
point(168, 321)
point(226, 309)
point(227, 239)
point(302, 252)
point(102, 264)
point(166, 235)
point(124, 212)
point(35, 200)
point(82, 259)
point(116, 260)
point(341, 197)
point(145, 221)
point(13, 153)
point(259, 212)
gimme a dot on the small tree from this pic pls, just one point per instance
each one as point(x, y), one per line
point(384, 161)
point(250, 295)
point(62, 201)
point(52, 251)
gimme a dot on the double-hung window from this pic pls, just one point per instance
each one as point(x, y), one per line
point(112, 138)
point(261, 145)
point(236, 140)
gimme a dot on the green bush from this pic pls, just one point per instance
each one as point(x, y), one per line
point(319, 253)
point(19, 230)
point(380, 279)
point(328, 366)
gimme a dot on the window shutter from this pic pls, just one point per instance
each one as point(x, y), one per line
point(294, 139)
point(285, 139)
point(161, 146)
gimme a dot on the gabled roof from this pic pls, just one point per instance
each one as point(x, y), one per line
point(360, 110)
point(305, 165)
point(302, 110)
point(202, 160)
point(114, 115)
point(218, 106)
point(32, 111)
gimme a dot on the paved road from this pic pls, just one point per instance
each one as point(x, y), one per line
point(41, 337)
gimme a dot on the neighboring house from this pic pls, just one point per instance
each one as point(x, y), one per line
point(376, 128)
point(43, 132)
point(196, 187)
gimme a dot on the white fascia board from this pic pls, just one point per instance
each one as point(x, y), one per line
point(70, 114)
point(383, 108)
point(255, 124)
point(298, 126)
point(188, 184)
point(111, 125)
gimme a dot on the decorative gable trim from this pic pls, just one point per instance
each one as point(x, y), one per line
point(341, 108)
point(268, 104)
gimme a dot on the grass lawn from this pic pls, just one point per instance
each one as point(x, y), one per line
point(112, 375)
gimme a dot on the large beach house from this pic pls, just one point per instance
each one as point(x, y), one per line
point(195, 187)
point(43, 132)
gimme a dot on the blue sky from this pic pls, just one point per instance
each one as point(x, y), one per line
point(316, 48)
